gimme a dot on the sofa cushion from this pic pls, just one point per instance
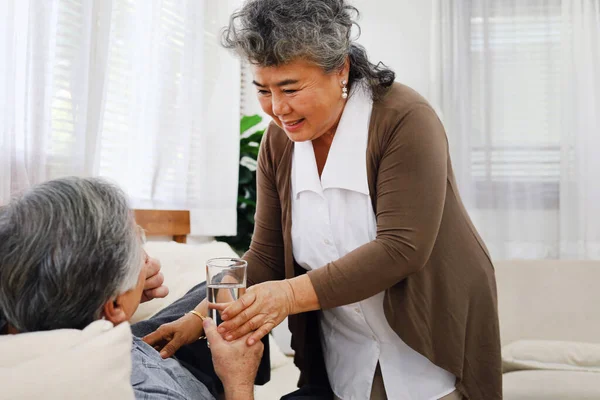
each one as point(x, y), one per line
point(551, 385)
point(551, 355)
point(94, 363)
point(548, 299)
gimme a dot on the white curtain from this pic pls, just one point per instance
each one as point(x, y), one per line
point(517, 86)
point(580, 180)
point(138, 91)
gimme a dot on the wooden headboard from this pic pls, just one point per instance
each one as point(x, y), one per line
point(164, 223)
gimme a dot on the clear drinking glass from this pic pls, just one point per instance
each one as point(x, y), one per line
point(225, 282)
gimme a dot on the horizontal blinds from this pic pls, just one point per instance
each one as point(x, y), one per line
point(515, 97)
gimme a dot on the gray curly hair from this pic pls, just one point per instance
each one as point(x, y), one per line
point(276, 32)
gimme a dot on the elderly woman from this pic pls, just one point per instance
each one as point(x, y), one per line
point(361, 237)
point(70, 254)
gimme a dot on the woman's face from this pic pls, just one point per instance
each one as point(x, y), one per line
point(301, 98)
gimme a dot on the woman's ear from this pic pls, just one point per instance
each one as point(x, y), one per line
point(114, 312)
point(345, 70)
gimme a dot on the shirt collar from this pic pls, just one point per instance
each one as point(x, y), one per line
point(346, 166)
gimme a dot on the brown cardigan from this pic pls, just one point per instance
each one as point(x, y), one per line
point(440, 289)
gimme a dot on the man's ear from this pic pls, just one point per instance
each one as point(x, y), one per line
point(114, 312)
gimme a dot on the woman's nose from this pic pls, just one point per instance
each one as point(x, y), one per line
point(280, 105)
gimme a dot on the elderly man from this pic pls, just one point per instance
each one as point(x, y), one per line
point(70, 254)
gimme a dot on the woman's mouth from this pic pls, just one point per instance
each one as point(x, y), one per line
point(293, 125)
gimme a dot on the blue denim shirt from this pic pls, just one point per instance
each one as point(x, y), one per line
point(153, 378)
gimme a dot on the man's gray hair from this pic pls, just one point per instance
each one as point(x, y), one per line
point(67, 247)
point(276, 32)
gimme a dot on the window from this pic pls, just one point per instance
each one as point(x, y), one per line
point(138, 91)
point(515, 100)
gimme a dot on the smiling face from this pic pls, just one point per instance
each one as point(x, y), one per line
point(301, 98)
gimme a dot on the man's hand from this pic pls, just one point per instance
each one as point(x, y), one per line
point(235, 363)
point(169, 338)
point(153, 287)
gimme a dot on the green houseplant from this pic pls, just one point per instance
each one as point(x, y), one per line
point(246, 203)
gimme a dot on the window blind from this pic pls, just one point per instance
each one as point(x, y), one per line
point(515, 92)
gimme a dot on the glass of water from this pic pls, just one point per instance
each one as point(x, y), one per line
point(225, 282)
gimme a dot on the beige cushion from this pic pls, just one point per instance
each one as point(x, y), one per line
point(549, 300)
point(184, 266)
point(94, 363)
point(551, 385)
point(551, 355)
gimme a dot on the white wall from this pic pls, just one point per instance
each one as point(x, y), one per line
point(398, 33)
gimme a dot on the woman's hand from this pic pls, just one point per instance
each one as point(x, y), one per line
point(168, 338)
point(259, 310)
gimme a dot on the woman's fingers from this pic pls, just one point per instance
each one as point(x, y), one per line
point(253, 324)
point(240, 319)
point(260, 333)
point(237, 307)
point(219, 306)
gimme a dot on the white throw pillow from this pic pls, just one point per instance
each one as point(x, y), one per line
point(551, 355)
point(94, 363)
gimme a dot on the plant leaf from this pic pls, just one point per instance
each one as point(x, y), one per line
point(245, 176)
point(248, 122)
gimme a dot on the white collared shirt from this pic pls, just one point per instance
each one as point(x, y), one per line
point(330, 218)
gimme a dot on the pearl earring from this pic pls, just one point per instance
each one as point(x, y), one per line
point(344, 89)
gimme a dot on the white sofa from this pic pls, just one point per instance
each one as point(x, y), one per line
point(550, 329)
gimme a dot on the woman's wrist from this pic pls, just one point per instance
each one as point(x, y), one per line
point(303, 297)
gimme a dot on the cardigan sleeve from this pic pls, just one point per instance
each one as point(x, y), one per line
point(266, 254)
point(410, 196)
